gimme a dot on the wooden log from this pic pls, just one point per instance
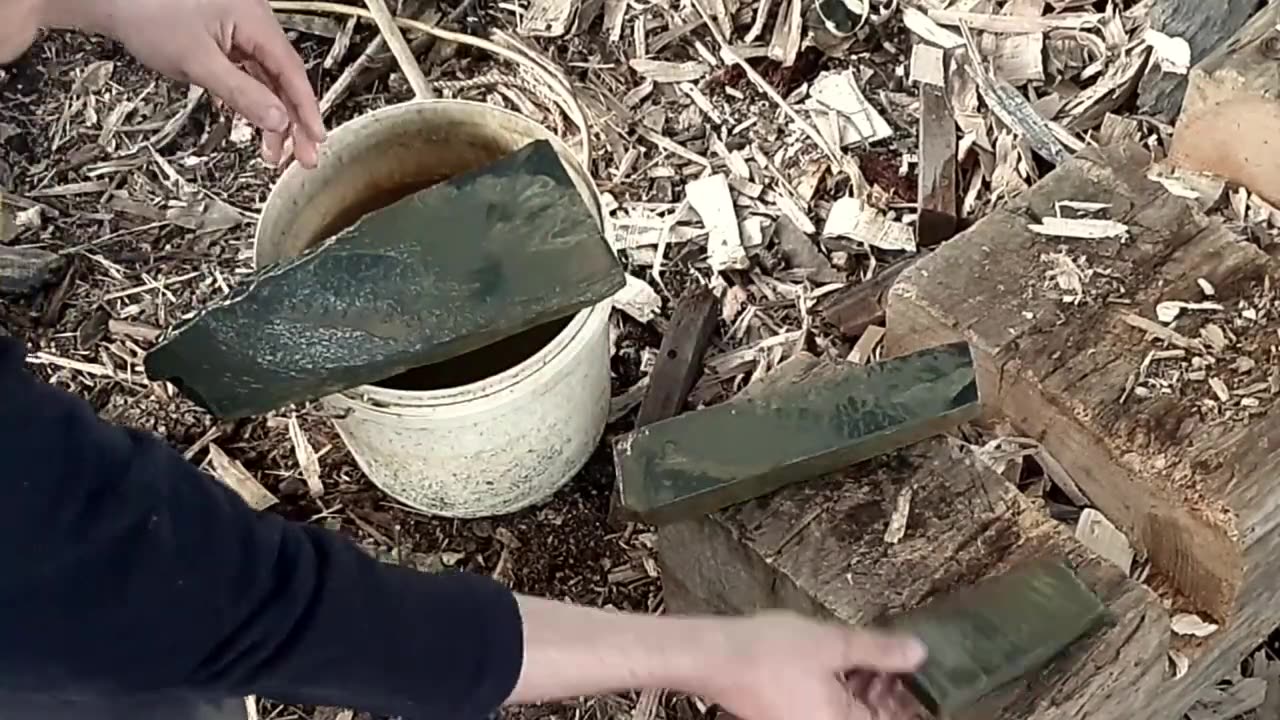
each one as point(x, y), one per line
point(1231, 114)
point(1185, 470)
point(819, 548)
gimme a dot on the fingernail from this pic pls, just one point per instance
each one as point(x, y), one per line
point(914, 651)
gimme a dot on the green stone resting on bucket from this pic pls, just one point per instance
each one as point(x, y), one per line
point(447, 270)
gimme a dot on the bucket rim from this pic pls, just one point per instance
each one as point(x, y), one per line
point(378, 399)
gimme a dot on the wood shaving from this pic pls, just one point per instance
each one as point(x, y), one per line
point(1192, 625)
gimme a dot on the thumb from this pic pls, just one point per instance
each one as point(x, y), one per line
point(880, 651)
point(237, 88)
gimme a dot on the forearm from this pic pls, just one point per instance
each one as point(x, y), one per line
point(128, 570)
point(571, 651)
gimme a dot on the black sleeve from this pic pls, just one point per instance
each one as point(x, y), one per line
point(125, 568)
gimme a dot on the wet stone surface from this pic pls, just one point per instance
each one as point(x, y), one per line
point(990, 634)
point(443, 272)
point(703, 461)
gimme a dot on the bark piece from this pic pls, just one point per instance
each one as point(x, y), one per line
point(443, 272)
point(680, 357)
point(1204, 26)
point(857, 307)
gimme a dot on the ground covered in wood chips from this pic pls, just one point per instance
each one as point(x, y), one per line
point(148, 191)
point(131, 273)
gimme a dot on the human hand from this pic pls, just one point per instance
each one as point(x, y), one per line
point(235, 49)
point(780, 666)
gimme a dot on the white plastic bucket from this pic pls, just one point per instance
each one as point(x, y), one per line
point(490, 446)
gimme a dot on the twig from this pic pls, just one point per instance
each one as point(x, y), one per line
point(551, 76)
point(393, 37)
point(727, 52)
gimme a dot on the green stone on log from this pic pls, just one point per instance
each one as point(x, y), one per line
point(992, 633)
point(443, 272)
point(700, 462)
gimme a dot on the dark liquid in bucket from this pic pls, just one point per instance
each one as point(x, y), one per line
point(469, 367)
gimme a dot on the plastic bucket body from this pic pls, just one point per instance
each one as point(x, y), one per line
point(493, 444)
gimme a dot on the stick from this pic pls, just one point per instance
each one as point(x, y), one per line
point(393, 37)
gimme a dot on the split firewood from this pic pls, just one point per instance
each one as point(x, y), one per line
point(857, 307)
point(24, 270)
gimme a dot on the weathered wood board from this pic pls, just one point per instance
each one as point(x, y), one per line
point(819, 548)
point(1181, 452)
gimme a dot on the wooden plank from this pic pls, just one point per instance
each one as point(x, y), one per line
point(1231, 114)
point(680, 356)
point(1204, 26)
point(818, 548)
point(1187, 476)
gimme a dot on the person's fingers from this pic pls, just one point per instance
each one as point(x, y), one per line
point(304, 148)
point(880, 651)
point(215, 72)
point(272, 140)
point(850, 705)
point(267, 44)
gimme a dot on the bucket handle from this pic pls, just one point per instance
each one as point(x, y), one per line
point(562, 91)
